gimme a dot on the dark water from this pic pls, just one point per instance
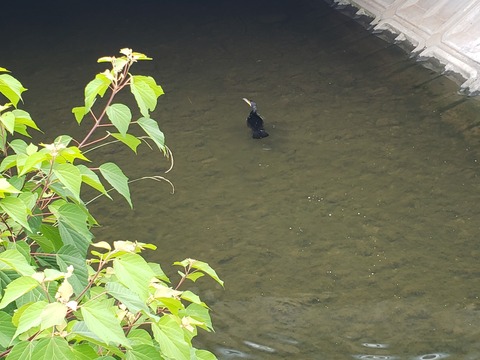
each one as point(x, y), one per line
point(351, 232)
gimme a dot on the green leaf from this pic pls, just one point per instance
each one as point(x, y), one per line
point(24, 118)
point(171, 339)
point(100, 318)
point(84, 352)
point(120, 116)
point(81, 332)
point(63, 140)
point(131, 141)
point(199, 313)
point(143, 352)
point(204, 355)
point(193, 298)
point(90, 178)
point(11, 88)
point(159, 272)
point(71, 153)
point(202, 266)
point(29, 316)
point(12, 259)
point(146, 91)
point(73, 226)
point(8, 120)
point(133, 272)
point(127, 297)
point(115, 177)
point(195, 276)
point(19, 146)
point(23, 351)
point(139, 336)
point(17, 288)
point(33, 161)
point(48, 237)
point(70, 177)
point(69, 255)
point(7, 329)
point(96, 87)
point(52, 348)
point(173, 305)
point(16, 209)
point(6, 187)
point(53, 314)
point(79, 112)
point(151, 128)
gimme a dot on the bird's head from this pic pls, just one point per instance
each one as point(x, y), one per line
point(252, 104)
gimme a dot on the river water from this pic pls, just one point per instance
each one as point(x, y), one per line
point(352, 231)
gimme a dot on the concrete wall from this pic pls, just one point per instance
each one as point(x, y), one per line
point(448, 30)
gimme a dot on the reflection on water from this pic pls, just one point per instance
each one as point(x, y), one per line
point(350, 232)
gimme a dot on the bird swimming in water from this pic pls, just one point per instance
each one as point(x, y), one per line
point(255, 121)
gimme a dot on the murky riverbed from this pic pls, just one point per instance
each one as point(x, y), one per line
point(351, 232)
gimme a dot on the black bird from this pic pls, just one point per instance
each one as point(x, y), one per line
point(255, 121)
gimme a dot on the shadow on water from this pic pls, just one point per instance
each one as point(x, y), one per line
point(350, 232)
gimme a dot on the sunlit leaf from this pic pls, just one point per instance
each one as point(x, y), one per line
point(23, 351)
point(81, 332)
point(48, 237)
point(133, 272)
point(127, 297)
point(71, 153)
point(200, 313)
point(96, 87)
point(17, 288)
point(194, 298)
point(115, 177)
point(12, 259)
point(33, 161)
point(90, 178)
point(70, 177)
point(19, 146)
point(28, 316)
point(84, 352)
point(105, 59)
point(17, 210)
point(23, 117)
point(7, 329)
point(6, 187)
point(151, 128)
point(79, 112)
point(8, 120)
point(131, 141)
point(53, 314)
point(143, 352)
point(62, 141)
point(101, 320)
point(52, 348)
point(195, 276)
point(73, 226)
point(171, 338)
point(146, 91)
point(69, 255)
point(202, 266)
point(11, 88)
point(120, 116)
point(139, 336)
point(204, 355)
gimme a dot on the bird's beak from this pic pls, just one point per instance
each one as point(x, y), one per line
point(247, 101)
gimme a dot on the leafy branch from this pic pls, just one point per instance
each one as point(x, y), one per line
point(58, 300)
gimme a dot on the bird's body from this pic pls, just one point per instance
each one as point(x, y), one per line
point(255, 121)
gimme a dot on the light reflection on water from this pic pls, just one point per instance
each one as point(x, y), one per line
point(350, 232)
